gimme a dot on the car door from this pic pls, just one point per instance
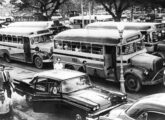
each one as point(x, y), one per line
point(47, 97)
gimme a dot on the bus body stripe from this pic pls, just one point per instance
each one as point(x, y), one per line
point(91, 58)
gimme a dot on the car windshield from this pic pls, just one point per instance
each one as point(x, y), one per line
point(41, 39)
point(75, 84)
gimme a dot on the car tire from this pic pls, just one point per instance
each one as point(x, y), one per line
point(7, 58)
point(38, 62)
point(132, 83)
point(29, 100)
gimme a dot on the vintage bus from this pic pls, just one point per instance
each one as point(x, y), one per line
point(153, 32)
point(76, 21)
point(26, 44)
point(100, 49)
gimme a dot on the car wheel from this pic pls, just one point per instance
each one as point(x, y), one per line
point(7, 58)
point(78, 116)
point(29, 100)
point(132, 83)
point(69, 67)
point(38, 62)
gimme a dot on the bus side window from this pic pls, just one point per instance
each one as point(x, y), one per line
point(76, 46)
point(66, 45)
point(20, 40)
point(9, 38)
point(97, 49)
point(15, 39)
point(4, 38)
point(0, 37)
point(58, 44)
point(86, 47)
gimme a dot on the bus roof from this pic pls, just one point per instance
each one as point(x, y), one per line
point(96, 36)
point(24, 31)
point(127, 25)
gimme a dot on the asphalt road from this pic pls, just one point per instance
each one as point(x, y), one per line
point(21, 105)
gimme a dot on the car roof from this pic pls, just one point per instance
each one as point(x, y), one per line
point(60, 75)
point(155, 102)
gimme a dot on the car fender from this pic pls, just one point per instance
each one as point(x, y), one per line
point(136, 71)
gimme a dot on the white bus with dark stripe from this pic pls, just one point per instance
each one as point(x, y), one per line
point(101, 49)
point(26, 44)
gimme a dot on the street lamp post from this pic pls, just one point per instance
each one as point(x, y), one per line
point(122, 86)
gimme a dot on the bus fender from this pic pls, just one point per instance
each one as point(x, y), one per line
point(160, 54)
point(37, 54)
point(138, 72)
point(4, 51)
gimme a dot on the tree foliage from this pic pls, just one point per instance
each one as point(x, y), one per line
point(116, 7)
point(43, 8)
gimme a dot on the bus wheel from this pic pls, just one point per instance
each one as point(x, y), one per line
point(29, 100)
point(38, 62)
point(132, 83)
point(7, 58)
point(69, 67)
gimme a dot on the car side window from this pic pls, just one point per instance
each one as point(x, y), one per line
point(41, 85)
point(53, 87)
point(155, 116)
point(151, 116)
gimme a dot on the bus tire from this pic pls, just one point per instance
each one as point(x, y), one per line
point(7, 58)
point(38, 62)
point(28, 100)
point(69, 67)
point(132, 83)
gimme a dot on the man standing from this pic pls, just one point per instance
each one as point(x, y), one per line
point(58, 65)
point(5, 81)
point(83, 67)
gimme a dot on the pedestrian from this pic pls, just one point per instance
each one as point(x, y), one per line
point(5, 80)
point(58, 64)
point(83, 67)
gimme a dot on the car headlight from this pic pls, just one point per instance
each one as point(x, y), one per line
point(146, 72)
point(96, 108)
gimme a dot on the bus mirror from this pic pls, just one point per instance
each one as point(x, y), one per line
point(37, 49)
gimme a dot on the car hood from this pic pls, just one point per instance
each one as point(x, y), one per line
point(96, 97)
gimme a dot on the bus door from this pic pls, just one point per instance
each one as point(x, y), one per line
point(17, 51)
point(27, 50)
point(110, 62)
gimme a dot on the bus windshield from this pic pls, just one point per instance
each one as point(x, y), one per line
point(132, 48)
point(41, 39)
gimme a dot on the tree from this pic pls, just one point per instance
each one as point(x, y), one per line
point(43, 8)
point(116, 7)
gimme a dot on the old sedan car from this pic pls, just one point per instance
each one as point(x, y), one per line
point(67, 90)
point(148, 108)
